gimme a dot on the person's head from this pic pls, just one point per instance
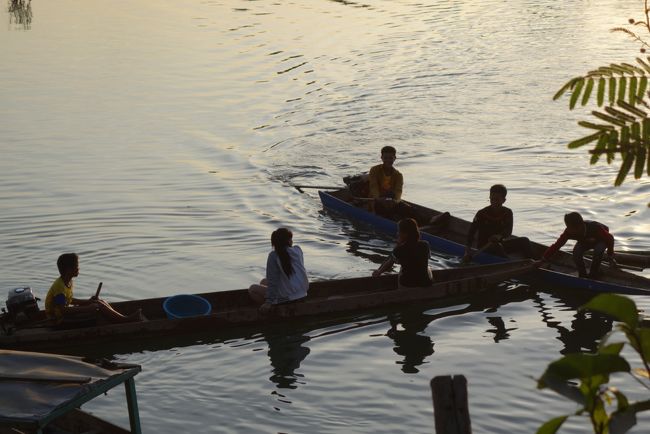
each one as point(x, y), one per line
point(280, 240)
point(388, 155)
point(574, 223)
point(498, 193)
point(68, 264)
point(408, 230)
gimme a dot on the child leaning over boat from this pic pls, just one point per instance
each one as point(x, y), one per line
point(61, 305)
point(412, 254)
point(588, 235)
point(286, 279)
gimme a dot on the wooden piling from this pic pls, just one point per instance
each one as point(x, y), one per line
point(450, 404)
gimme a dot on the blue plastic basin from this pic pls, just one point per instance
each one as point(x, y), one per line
point(186, 305)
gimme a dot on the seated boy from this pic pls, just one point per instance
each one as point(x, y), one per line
point(494, 226)
point(60, 303)
point(386, 183)
point(588, 235)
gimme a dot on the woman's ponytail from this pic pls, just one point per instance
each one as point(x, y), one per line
point(281, 239)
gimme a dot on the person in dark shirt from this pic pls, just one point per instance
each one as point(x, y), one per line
point(494, 226)
point(412, 254)
point(588, 235)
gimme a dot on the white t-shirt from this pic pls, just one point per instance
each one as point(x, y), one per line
point(282, 288)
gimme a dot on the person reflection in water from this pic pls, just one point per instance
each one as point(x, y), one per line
point(409, 342)
point(286, 279)
point(286, 353)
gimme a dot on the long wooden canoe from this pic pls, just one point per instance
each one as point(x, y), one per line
point(560, 272)
point(234, 308)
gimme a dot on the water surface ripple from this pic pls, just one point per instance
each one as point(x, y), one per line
point(159, 138)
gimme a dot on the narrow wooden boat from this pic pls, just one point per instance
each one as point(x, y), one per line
point(234, 308)
point(560, 272)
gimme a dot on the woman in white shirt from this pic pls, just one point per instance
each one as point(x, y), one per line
point(286, 278)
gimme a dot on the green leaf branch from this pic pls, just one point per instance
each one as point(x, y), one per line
point(618, 92)
point(583, 378)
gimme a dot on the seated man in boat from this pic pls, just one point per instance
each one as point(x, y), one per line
point(494, 227)
point(385, 187)
point(386, 184)
point(61, 305)
point(588, 235)
point(413, 256)
point(286, 278)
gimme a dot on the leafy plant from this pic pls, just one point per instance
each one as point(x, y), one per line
point(621, 124)
point(593, 371)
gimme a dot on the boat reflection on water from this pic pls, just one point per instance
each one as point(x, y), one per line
point(286, 353)
point(20, 13)
point(587, 328)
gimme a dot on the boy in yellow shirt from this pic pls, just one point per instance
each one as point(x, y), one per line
point(386, 182)
point(60, 302)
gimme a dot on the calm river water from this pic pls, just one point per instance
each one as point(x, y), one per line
point(159, 140)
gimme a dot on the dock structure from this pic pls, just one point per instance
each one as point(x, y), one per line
point(450, 404)
point(40, 390)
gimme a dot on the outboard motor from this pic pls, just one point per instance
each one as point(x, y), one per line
point(359, 185)
point(22, 301)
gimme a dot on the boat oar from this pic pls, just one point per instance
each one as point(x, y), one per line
point(626, 266)
point(318, 187)
point(99, 289)
point(631, 261)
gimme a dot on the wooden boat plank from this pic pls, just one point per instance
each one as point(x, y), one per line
point(233, 308)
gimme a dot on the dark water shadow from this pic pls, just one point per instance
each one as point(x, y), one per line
point(20, 13)
point(408, 326)
point(286, 352)
point(587, 328)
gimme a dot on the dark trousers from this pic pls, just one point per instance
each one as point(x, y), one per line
point(396, 211)
point(511, 245)
point(578, 257)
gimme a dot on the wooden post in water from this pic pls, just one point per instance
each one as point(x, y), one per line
point(450, 406)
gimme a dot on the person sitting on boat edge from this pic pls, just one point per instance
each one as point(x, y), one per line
point(61, 305)
point(494, 227)
point(412, 254)
point(588, 235)
point(286, 278)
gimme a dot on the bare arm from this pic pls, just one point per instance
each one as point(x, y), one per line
point(388, 263)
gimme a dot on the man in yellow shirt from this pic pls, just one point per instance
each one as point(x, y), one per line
point(386, 183)
point(61, 304)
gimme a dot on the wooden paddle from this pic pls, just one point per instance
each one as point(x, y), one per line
point(99, 289)
point(631, 261)
point(318, 187)
point(625, 266)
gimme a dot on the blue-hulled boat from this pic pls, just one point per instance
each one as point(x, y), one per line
point(560, 272)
